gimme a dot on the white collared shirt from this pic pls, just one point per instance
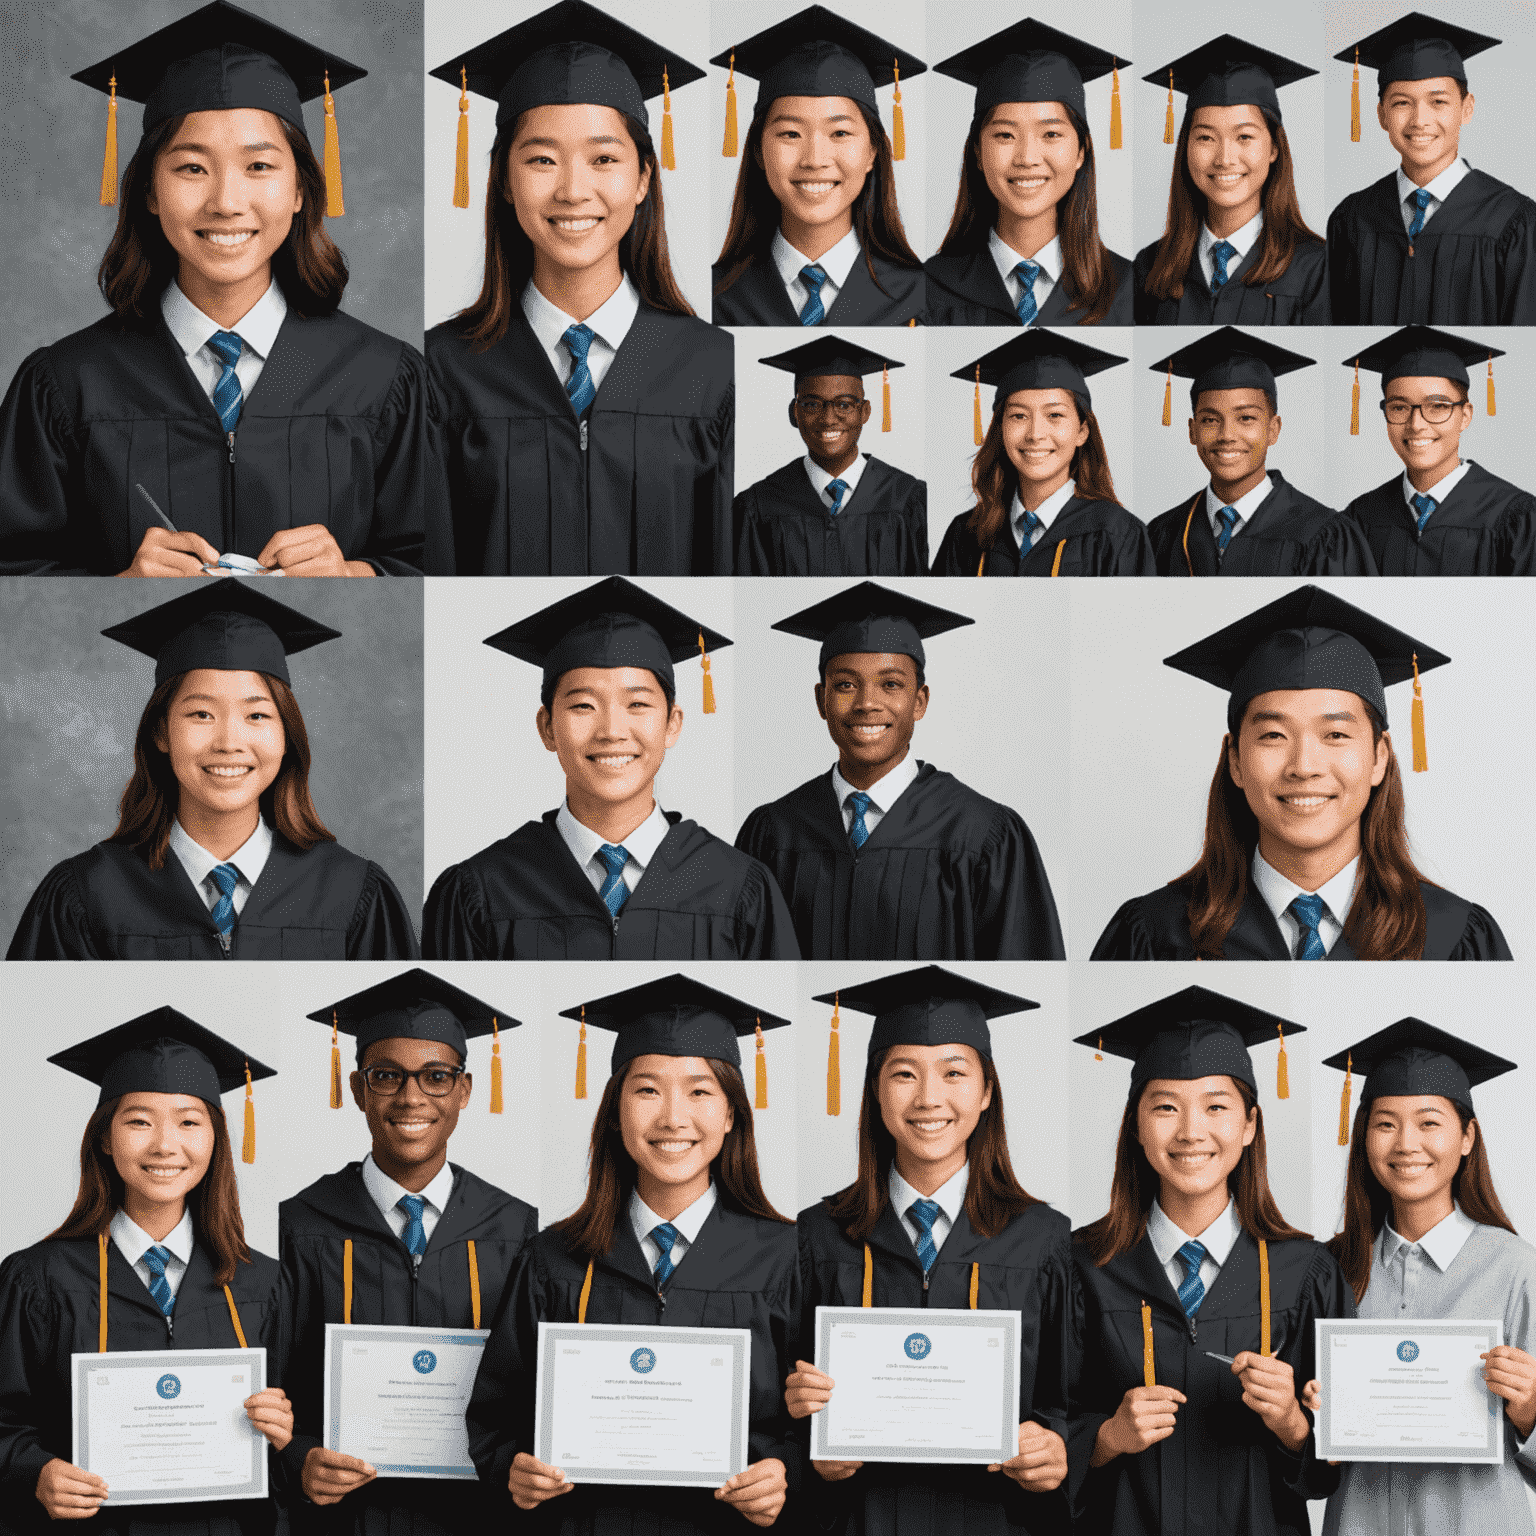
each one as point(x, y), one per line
point(1278, 893)
point(1241, 241)
point(820, 479)
point(385, 1194)
point(133, 1242)
point(883, 793)
point(949, 1197)
point(609, 324)
point(1217, 1240)
point(1439, 490)
point(1245, 506)
point(257, 329)
point(1439, 189)
point(687, 1223)
point(1046, 512)
point(1047, 258)
point(250, 858)
point(1440, 1244)
point(836, 263)
point(640, 845)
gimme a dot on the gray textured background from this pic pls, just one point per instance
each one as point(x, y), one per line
point(70, 703)
point(53, 230)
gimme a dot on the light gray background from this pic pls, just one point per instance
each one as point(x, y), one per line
point(71, 703)
point(54, 231)
point(454, 246)
point(766, 439)
point(1104, 23)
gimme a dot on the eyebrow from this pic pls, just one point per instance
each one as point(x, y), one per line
point(791, 117)
point(1013, 122)
point(250, 698)
point(203, 149)
point(592, 138)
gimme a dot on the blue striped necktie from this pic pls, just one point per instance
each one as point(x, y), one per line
point(579, 388)
point(614, 892)
point(227, 396)
point(813, 278)
point(1030, 527)
point(159, 1287)
point(1424, 506)
point(1308, 912)
point(923, 1214)
point(226, 877)
point(1192, 1292)
point(664, 1236)
point(1027, 272)
point(1420, 210)
point(858, 831)
point(415, 1234)
point(1221, 254)
point(1228, 519)
point(837, 489)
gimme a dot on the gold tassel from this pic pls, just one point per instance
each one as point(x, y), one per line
point(109, 158)
point(1098, 1055)
point(834, 1075)
point(335, 202)
point(581, 1059)
point(461, 156)
point(495, 1067)
point(1420, 749)
point(981, 565)
point(1354, 103)
point(1264, 1320)
point(898, 122)
point(760, 1099)
point(975, 1284)
point(1168, 399)
point(977, 423)
point(1148, 1359)
point(248, 1145)
point(668, 155)
point(1354, 404)
point(1116, 139)
point(729, 148)
point(709, 682)
point(1282, 1069)
point(1493, 409)
point(1169, 136)
point(1349, 1064)
point(335, 1065)
point(885, 398)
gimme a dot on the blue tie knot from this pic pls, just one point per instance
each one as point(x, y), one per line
point(1192, 1291)
point(227, 396)
point(923, 1214)
point(1027, 272)
point(226, 877)
point(664, 1235)
point(578, 342)
point(155, 1260)
point(1424, 507)
point(1029, 527)
point(614, 892)
point(813, 277)
point(1221, 254)
point(837, 489)
point(415, 1235)
point(226, 346)
point(579, 388)
point(1229, 520)
point(1308, 911)
point(1421, 201)
point(859, 831)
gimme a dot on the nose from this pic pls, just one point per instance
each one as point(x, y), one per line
point(410, 1092)
point(815, 149)
point(571, 185)
point(226, 192)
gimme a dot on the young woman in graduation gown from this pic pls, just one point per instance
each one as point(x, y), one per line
point(938, 1219)
point(1165, 1440)
point(662, 1239)
point(220, 786)
point(318, 467)
point(1308, 715)
point(129, 1225)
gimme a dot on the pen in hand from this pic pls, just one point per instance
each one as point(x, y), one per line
point(1225, 1359)
point(160, 516)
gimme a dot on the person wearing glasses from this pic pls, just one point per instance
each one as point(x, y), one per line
point(1444, 515)
point(403, 1238)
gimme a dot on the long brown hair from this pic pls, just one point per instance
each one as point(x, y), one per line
point(755, 210)
point(1386, 920)
point(994, 478)
point(1135, 1187)
point(1367, 1205)
point(993, 1195)
point(148, 804)
point(140, 262)
point(1086, 266)
point(1284, 228)
point(509, 253)
point(589, 1233)
point(214, 1203)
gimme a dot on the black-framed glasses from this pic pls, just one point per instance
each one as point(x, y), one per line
point(845, 406)
point(1435, 412)
point(436, 1081)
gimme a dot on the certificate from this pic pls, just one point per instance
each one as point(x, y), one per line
point(934, 1384)
point(663, 1406)
point(170, 1428)
point(396, 1397)
point(1407, 1390)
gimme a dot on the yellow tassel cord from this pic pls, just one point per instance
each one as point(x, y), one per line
point(1493, 409)
point(760, 1099)
point(1188, 524)
point(885, 398)
point(1420, 747)
point(496, 1105)
point(101, 1326)
point(976, 408)
point(1056, 563)
point(586, 1293)
point(1354, 103)
point(1264, 1333)
point(234, 1316)
point(1098, 1055)
point(898, 121)
point(981, 565)
point(1169, 136)
point(1282, 1069)
point(248, 1145)
point(461, 154)
point(1116, 138)
point(1349, 1064)
point(668, 154)
point(335, 201)
point(581, 1059)
point(1168, 399)
point(1148, 1359)
point(834, 1072)
point(1354, 404)
point(346, 1281)
point(109, 158)
point(729, 147)
point(335, 1064)
point(975, 1284)
point(709, 682)
point(474, 1283)
point(868, 1298)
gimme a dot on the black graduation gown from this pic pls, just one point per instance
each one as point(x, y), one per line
point(947, 874)
point(1027, 1268)
point(784, 529)
point(1221, 1472)
point(313, 1227)
point(1299, 296)
point(758, 296)
point(967, 290)
point(334, 432)
point(1289, 535)
point(1156, 927)
point(1474, 262)
point(108, 904)
point(525, 898)
point(50, 1309)
point(1100, 537)
point(1486, 527)
point(648, 492)
point(741, 1273)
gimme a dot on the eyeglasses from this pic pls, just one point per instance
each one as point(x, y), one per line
point(845, 406)
point(1435, 412)
point(436, 1082)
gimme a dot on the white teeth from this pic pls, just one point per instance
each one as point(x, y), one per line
point(1193, 1157)
point(229, 242)
point(165, 1173)
point(617, 762)
point(671, 1146)
point(928, 1125)
point(576, 226)
point(870, 730)
point(228, 773)
point(1305, 801)
point(1028, 183)
point(815, 188)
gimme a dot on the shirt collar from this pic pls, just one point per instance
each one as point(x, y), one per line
point(386, 1193)
point(820, 479)
point(133, 1242)
point(1241, 240)
point(644, 1220)
point(1245, 505)
point(1006, 258)
point(884, 792)
point(1440, 188)
point(191, 328)
point(640, 845)
point(836, 263)
point(1278, 892)
point(1440, 489)
point(1217, 1239)
point(1047, 509)
point(609, 322)
point(249, 858)
point(1442, 1242)
point(950, 1196)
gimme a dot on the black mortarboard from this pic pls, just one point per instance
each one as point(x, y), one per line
point(1036, 359)
point(228, 626)
point(1417, 47)
point(612, 624)
point(832, 357)
point(1227, 72)
point(1422, 352)
point(871, 620)
point(1231, 359)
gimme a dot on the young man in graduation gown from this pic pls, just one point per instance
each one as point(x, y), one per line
point(1444, 515)
point(834, 511)
point(886, 857)
point(403, 1238)
point(609, 875)
point(1434, 242)
point(1248, 521)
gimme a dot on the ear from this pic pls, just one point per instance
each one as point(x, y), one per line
point(1469, 1138)
point(1381, 111)
point(643, 188)
point(821, 705)
point(920, 705)
point(794, 416)
point(1274, 431)
point(467, 1084)
point(359, 1091)
point(986, 1097)
point(869, 405)
point(544, 723)
point(730, 1119)
point(1383, 757)
point(161, 739)
point(1468, 107)
point(674, 725)
point(1234, 764)
point(1192, 442)
point(1251, 1129)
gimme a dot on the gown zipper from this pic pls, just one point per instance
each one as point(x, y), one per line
point(229, 503)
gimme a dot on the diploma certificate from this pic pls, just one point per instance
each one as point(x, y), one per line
point(396, 1397)
point(170, 1428)
point(663, 1406)
point(930, 1385)
point(1407, 1390)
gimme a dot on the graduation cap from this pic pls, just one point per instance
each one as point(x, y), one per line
point(1193, 1034)
point(226, 626)
point(163, 1051)
point(1422, 352)
point(1227, 359)
point(816, 52)
point(832, 357)
point(871, 620)
point(1311, 639)
point(1030, 61)
point(415, 1005)
point(1227, 72)
point(675, 1016)
point(222, 58)
point(1414, 47)
point(1035, 359)
point(571, 54)
point(612, 624)
point(1410, 1058)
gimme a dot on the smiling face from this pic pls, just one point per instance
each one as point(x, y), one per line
point(1029, 153)
point(1233, 430)
point(931, 1098)
point(225, 740)
point(1430, 449)
point(1041, 432)
point(1415, 1144)
point(829, 413)
point(1193, 1133)
point(161, 1145)
point(1423, 120)
point(673, 1119)
point(816, 153)
point(610, 728)
point(410, 1129)
point(871, 703)
point(1230, 153)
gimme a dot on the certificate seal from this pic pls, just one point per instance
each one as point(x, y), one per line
point(1407, 1351)
point(168, 1386)
point(918, 1346)
point(643, 1361)
point(424, 1361)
